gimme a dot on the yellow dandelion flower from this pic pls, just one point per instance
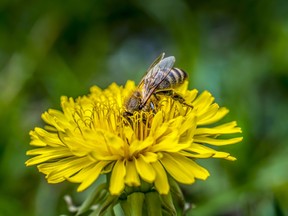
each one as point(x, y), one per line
point(91, 137)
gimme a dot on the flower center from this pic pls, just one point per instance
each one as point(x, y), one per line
point(140, 122)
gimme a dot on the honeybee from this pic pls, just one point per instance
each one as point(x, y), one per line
point(160, 78)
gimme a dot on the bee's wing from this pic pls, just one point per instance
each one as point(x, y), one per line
point(156, 61)
point(155, 76)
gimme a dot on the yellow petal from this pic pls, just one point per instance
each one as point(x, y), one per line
point(190, 95)
point(46, 154)
point(61, 164)
point(201, 149)
point(227, 128)
point(129, 134)
point(209, 152)
point(88, 175)
point(182, 169)
point(193, 155)
point(170, 145)
point(219, 115)
point(137, 146)
point(217, 142)
point(161, 181)
point(145, 170)
point(177, 170)
point(51, 139)
point(149, 157)
point(160, 131)
point(117, 178)
point(207, 113)
point(113, 142)
point(132, 178)
point(189, 123)
point(203, 101)
point(231, 158)
point(157, 122)
point(72, 166)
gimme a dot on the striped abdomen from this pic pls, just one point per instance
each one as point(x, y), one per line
point(174, 78)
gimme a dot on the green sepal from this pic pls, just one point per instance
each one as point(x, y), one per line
point(96, 197)
point(176, 193)
point(133, 205)
point(108, 169)
point(106, 207)
point(153, 203)
point(167, 204)
point(136, 202)
point(125, 206)
point(145, 186)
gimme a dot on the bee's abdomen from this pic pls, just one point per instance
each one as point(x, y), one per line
point(174, 78)
point(177, 76)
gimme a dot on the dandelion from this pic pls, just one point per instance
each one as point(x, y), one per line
point(146, 152)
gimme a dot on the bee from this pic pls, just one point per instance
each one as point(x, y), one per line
point(160, 78)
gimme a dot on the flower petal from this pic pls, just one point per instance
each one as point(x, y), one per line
point(182, 169)
point(205, 152)
point(41, 137)
point(161, 181)
point(137, 146)
point(219, 115)
point(145, 170)
point(117, 178)
point(47, 154)
point(227, 128)
point(149, 157)
point(88, 175)
point(217, 142)
point(157, 122)
point(67, 168)
point(132, 178)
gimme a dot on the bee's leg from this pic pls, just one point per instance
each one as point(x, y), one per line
point(175, 96)
point(155, 95)
point(127, 116)
point(152, 106)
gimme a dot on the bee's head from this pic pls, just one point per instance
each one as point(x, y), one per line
point(133, 102)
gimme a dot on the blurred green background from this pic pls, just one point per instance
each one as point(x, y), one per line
point(236, 50)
